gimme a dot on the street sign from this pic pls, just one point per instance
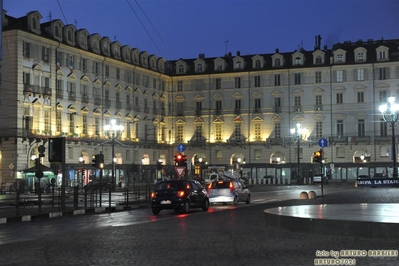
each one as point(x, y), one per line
point(323, 142)
point(180, 171)
point(181, 148)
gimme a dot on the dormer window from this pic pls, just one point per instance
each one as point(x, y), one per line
point(238, 65)
point(34, 23)
point(69, 36)
point(319, 60)
point(181, 69)
point(298, 61)
point(257, 64)
point(382, 55)
point(360, 56)
point(340, 57)
point(277, 62)
point(219, 66)
point(199, 67)
point(57, 31)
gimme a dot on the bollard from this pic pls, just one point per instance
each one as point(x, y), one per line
point(303, 195)
point(312, 194)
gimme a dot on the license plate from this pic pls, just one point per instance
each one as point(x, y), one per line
point(166, 202)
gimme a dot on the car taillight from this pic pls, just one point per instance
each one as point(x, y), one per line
point(231, 187)
point(180, 193)
point(153, 195)
point(210, 186)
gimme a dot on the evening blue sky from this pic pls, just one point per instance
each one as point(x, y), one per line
point(175, 29)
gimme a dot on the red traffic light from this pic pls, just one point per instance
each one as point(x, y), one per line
point(179, 157)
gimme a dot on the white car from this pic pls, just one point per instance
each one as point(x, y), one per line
point(228, 191)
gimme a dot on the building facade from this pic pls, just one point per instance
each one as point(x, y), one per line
point(231, 112)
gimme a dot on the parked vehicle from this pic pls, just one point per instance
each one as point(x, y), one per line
point(228, 191)
point(179, 195)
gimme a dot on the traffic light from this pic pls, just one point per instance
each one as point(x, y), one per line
point(318, 156)
point(178, 159)
point(100, 161)
point(184, 160)
point(95, 160)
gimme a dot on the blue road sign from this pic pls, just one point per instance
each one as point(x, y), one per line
point(322, 142)
point(181, 148)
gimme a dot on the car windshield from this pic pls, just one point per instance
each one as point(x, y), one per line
point(169, 185)
point(220, 184)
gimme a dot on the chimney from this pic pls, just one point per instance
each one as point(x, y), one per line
point(201, 56)
point(277, 50)
point(238, 53)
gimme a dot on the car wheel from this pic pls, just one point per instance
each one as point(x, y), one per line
point(235, 201)
point(205, 205)
point(185, 207)
point(248, 201)
point(156, 211)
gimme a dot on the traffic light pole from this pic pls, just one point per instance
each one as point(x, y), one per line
point(322, 173)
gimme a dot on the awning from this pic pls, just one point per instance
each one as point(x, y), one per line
point(33, 169)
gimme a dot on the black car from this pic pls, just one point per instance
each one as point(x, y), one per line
point(179, 195)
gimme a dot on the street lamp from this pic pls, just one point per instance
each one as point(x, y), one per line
point(389, 113)
point(297, 134)
point(113, 131)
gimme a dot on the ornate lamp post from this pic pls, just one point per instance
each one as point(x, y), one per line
point(389, 113)
point(298, 133)
point(113, 131)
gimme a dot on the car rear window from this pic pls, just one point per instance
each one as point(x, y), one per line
point(220, 185)
point(168, 185)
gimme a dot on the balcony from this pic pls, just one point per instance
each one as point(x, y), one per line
point(318, 107)
point(71, 96)
point(34, 89)
point(298, 108)
point(97, 101)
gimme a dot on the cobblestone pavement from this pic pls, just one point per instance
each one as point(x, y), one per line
point(237, 236)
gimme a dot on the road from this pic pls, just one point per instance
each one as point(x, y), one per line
point(224, 235)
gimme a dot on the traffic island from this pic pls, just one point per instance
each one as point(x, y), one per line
point(373, 220)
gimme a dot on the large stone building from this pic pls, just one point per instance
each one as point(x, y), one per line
point(231, 112)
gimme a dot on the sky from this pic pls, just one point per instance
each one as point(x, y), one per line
point(175, 29)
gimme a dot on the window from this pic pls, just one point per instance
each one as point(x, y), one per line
point(26, 78)
point(319, 129)
point(360, 96)
point(318, 100)
point(360, 128)
point(277, 102)
point(45, 54)
point(238, 65)
point(258, 131)
point(27, 49)
point(297, 101)
point(84, 124)
point(257, 64)
point(83, 63)
point(58, 121)
point(340, 128)
point(319, 60)
point(218, 132)
point(218, 83)
point(218, 107)
point(180, 109)
point(199, 108)
point(383, 96)
point(238, 106)
point(107, 70)
point(179, 132)
point(382, 73)
point(277, 80)
point(277, 62)
point(118, 73)
point(219, 66)
point(297, 77)
point(340, 57)
point(382, 55)
point(198, 132)
point(180, 86)
point(257, 81)
point(383, 128)
point(154, 83)
point(277, 130)
point(199, 67)
point(360, 74)
point(181, 69)
point(317, 77)
point(257, 105)
point(360, 56)
point(96, 69)
point(71, 122)
point(47, 121)
point(237, 82)
point(340, 97)
point(340, 76)
point(237, 131)
point(298, 61)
